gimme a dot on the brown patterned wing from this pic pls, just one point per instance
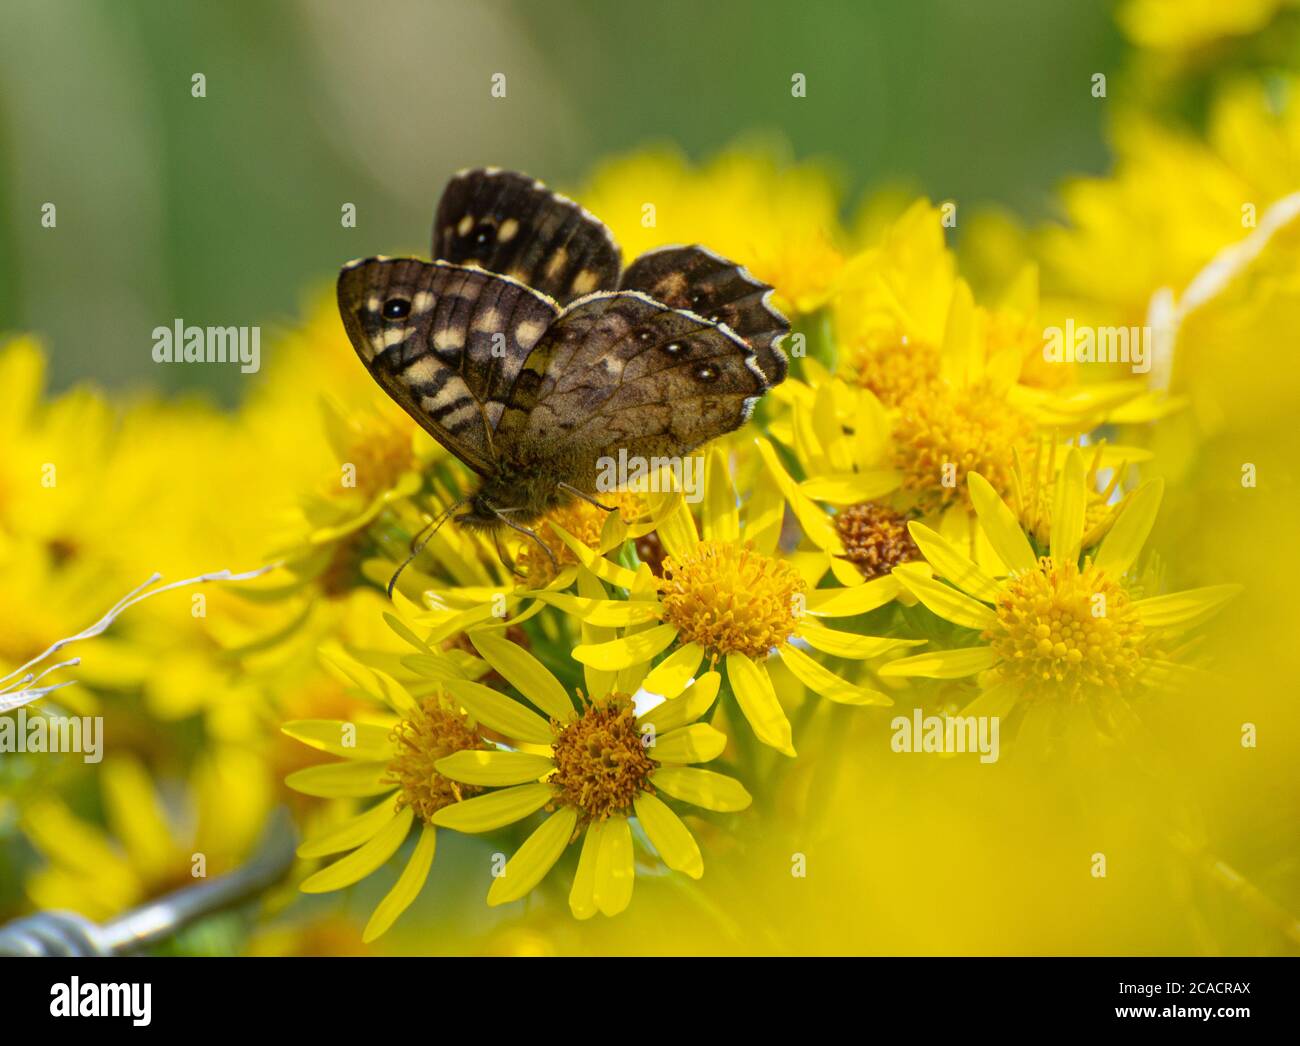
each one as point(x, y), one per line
point(446, 342)
point(621, 371)
point(508, 223)
point(695, 278)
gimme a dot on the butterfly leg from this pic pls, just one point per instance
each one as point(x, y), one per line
point(569, 489)
point(501, 515)
point(506, 561)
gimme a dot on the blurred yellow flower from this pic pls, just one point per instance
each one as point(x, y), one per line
point(150, 847)
point(779, 221)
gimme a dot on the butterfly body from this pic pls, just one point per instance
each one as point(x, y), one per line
point(533, 371)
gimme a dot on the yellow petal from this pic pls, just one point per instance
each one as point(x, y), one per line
point(1000, 526)
point(853, 488)
point(1068, 509)
point(373, 683)
point(677, 530)
point(494, 769)
point(525, 673)
point(604, 613)
point(614, 868)
point(361, 862)
point(721, 519)
point(1123, 542)
point(757, 699)
point(535, 858)
point(948, 561)
point(697, 743)
point(636, 649)
point(603, 568)
point(816, 524)
point(704, 788)
point(338, 780)
point(501, 713)
point(996, 702)
point(582, 895)
point(598, 681)
point(943, 664)
point(678, 711)
point(669, 836)
point(849, 602)
point(485, 812)
point(406, 889)
point(670, 676)
point(1180, 610)
point(946, 601)
point(368, 740)
point(821, 680)
point(849, 644)
point(135, 814)
point(350, 834)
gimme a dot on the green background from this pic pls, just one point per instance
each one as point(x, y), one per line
point(225, 210)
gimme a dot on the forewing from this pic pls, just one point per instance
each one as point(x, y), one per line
point(695, 278)
point(446, 342)
point(508, 223)
point(621, 371)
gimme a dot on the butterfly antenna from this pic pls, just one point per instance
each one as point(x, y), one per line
point(421, 539)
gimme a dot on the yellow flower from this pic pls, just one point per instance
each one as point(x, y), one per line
point(390, 756)
point(1058, 627)
point(605, 765)
point(146, 853)
point(779, 221)
point(727, 595)
point(1182, 25)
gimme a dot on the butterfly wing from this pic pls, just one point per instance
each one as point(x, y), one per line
point(695, 278)
point(622, 371)
point(508, 223)
point(446, 342)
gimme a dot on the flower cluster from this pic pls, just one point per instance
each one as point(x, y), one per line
point(929, 513)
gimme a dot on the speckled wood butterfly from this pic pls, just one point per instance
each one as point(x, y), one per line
point(525, 352)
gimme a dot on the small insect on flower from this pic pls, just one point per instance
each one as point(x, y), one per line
point(530, 356)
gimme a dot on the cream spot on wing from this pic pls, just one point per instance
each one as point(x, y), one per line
point(556, 264)
point(423, 370)
point(394, 337)
point(465, 225)
point(422, 302)
point(487, 322)
point(448, 338)
point(527, 333)
point(507, 231)
point(585, 282)
point(372, 303)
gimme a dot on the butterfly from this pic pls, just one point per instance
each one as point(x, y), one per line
point(530, 355)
